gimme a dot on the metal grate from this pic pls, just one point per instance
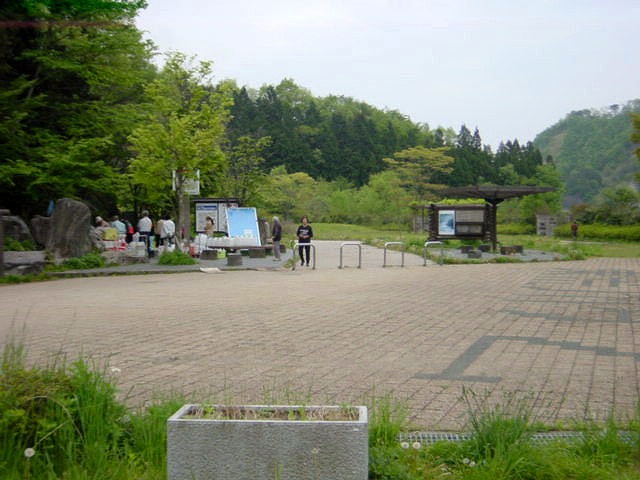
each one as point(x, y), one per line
point(429, 438)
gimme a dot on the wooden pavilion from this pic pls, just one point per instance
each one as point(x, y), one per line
point(493, 195)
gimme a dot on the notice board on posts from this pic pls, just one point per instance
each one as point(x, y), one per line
point(243, 225)
point(216, 208)
point(458, 221)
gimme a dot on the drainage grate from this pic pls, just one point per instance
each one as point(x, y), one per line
point(429, 438)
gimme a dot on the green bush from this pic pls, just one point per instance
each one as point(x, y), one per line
point(175, 257)
point(11, 244)
point(516, 229)
point(86, 262)
point(625, 233)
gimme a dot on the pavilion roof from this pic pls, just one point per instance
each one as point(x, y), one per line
point(494, 193)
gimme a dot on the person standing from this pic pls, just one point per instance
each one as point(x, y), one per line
point(574, 230)
point(209, 227)
point(119, 225)
point(305, 234)
point(168, 231)
point(276, 236)
point(145, 228)
point(157, 231)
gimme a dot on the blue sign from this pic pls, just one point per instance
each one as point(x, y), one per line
point(243, 225)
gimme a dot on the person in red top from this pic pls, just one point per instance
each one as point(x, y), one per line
point(304, 233)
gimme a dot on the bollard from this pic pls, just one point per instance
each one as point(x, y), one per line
point(424, 252)
point(401, 244)
point(357, 244)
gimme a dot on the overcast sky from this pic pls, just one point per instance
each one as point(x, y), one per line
point(509, 67)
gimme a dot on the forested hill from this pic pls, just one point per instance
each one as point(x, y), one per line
point(327, 137)
point(592, 150)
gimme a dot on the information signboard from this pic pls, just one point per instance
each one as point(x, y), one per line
point(215, 208)
point(243, 225)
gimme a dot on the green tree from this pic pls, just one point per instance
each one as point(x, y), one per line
point(244, 171)
point(635, 136)
point(473, 165)
point(183, 132)
point(417, 166)
point(617, 206)
point(288, 194)
point(382, 201)
point(71, 76)
point(544, 203)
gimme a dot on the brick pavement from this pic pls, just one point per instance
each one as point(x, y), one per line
point(562, 334)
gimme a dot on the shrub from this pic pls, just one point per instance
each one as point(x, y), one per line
point(86, 262)
point(11, 244)
point(626, 233)
point(175, 257)
point(516, 229)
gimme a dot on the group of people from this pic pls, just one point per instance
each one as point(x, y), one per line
point(164, 230)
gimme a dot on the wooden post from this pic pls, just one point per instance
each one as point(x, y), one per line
point(3, 213)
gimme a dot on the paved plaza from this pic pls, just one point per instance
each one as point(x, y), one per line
point(564, 335)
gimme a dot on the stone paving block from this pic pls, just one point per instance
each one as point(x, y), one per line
point(560, 331)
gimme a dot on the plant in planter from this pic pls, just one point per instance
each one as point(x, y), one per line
point(267, 442)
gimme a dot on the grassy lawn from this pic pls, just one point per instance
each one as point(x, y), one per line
point(415, 241)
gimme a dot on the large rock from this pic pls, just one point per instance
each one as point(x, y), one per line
point(40, 227)
point(15, 228)
point(70, 233)
point(22, 263)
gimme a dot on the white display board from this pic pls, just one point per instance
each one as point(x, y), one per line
point(243, 225)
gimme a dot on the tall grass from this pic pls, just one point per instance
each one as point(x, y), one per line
point(63, 421)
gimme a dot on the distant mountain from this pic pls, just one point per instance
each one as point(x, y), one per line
point(592, 150)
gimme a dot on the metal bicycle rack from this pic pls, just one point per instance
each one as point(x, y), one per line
point(357, 244)
point(295, 249)
point(384, 263)
point(424, 252)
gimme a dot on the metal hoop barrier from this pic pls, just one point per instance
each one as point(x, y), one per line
point(357, 244)
point(384, 263)
point(424, 252)
point(295, 248)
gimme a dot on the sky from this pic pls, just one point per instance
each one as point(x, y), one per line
point(510, 68)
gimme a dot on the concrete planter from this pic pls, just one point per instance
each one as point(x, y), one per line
point(199, 447)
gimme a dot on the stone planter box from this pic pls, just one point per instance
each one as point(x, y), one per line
point(298, 445)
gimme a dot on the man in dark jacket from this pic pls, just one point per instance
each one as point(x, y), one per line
point(276, 236)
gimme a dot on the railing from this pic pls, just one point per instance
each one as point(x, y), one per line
point(387, 244)
point(424, 252)
point(357, 244)
point(295, 249)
